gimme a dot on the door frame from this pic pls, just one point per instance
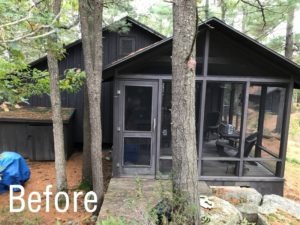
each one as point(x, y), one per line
point(120, 132)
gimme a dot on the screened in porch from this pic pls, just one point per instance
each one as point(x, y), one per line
point(241, 131)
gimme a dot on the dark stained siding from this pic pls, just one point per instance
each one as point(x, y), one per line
point(231, 58)
point(158, 60)
point(74, 59)
point(41, 142)
point(32, 140)
point(13, 139)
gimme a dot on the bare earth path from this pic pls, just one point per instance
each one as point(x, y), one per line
point(43, 174)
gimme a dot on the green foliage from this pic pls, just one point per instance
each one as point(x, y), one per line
point(113, 221)
point(19, 218)
point(293, 160)
point(245, 222)
point(158, 17)
point(19, 86)
point(72, 81)
point(294, 124)
point(120, 26)
point(85, 186)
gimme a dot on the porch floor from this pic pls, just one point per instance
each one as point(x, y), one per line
point(227, 168)
point(131, 197)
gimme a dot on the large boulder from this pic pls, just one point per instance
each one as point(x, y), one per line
point(246, 200)
point(278, 210)
point(223, 213)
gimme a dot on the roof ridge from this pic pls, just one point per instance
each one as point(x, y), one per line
point(145, 27)
point(249, 38)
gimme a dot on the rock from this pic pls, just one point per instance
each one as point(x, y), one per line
point(71, 223)
point(204, 189)
point(262, 220)
point(272, 203)
point(246, 200)
point(223, 213)
point(279, 209)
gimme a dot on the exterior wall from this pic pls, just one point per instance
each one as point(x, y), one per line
point(221, 57)
point(264, 187)
point(74, 59)
point(32, 140)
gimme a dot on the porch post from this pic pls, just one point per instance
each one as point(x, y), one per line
point(158, 131)
point(202, 103)
point(243, 129)
point(116, 138)
point(261, 119)
point(285, 130)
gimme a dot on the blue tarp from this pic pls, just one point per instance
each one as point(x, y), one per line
point(13, 170)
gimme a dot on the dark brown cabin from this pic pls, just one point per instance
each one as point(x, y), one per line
point(33, 138)
point(243, 105)
point(115, 46)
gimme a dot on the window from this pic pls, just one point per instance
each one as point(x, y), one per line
point(225, 150)
point(126, 46)
point(222, 128)
point(265, 117)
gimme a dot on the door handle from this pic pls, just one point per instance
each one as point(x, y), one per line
point(154, 124)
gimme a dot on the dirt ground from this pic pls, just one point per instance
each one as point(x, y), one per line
point(292, 183)
point(43, 174)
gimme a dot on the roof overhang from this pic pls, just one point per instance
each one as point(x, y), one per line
point(214, 23)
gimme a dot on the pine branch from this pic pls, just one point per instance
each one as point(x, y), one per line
point(260, 7)
point(33, 35)
point(68, 27)
point(34, 4)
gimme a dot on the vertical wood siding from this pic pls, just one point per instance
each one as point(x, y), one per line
point(74, 59)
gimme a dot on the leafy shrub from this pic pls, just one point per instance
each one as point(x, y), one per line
point(113, 221)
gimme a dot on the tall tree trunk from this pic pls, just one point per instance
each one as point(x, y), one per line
point(91, 32)
point(223, 6)
point(244, 19)
point(206, 9)
point(289, 39)
point(184, 152)
point(58, 133)
point(86, 162)
point(288, 52)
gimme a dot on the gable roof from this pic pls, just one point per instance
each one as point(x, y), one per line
point(215, 23)
point(128, 19)
point(149, 29)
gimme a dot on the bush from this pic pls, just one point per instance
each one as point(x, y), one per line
point(113, 221)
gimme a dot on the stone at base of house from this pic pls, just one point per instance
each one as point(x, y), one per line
point(273, 203)
point(204, 189)
point(277, 208)
point(223, 213)
point(246, 200)
point(133, 198)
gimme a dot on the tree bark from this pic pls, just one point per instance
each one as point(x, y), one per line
point(91, 30)
point(58, 133)
point(86, 162)
point(206, 9)
point(184, 152)
point(223, 6)
point(289, 39)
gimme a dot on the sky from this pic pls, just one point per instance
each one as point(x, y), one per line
point(143, 6)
